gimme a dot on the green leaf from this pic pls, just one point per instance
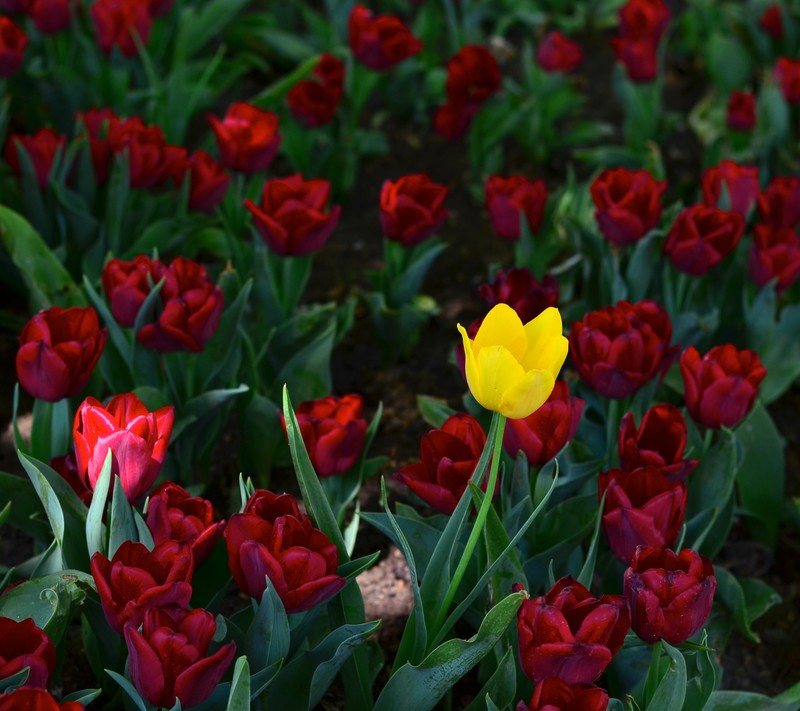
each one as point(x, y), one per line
point(418, 688)
point(129, 689)
point(239, 698)
point(501, 685)
point(122, 524)
point(671, 690)
point(702, 677)
point(732, 595)
point(95, 529)
point(711, 484)
point(728, 62)
point(24, 509)
point(789, 700)
point(200, 24)
point(84, 696)
point(10, 683)
point(268, 636)
point(587, 571)
point(434, 410)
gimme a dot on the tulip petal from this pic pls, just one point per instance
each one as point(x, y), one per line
point(527, 394)
point(546, 345)
point(502, 327)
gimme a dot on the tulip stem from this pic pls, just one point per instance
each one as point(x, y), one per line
point(612, 430)
point(477, 529)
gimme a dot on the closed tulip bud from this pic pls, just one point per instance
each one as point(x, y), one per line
point(50, 16)
point(380, 42)
point(644, 18)
point(273, 539)
point(570, 634)
point(96, 125)
point(741, 184)
point(247, 137)
point(554, 694)
point(58, 350)
point(136, 437)
point(127, 285)
point(67, 466)
point(642, 508)
point(518, 288)
point(174, 515)
point(412, 209)
point(628, 204)
point(330, 71)
point(454, 118)
point(23, 644)
point(669, 594)
point(333, 431)
point(41, 148)
point(511, 368)
point(772, 22)
point(35, 700)
point(169, 658)
point(472, 75)
point(775, 254)
point(787, 73)
point(313, 102)
point(741, 115)
point(556, 53)
point(293, 218)
point(721, 387)
point(779, 204)
point(510, 199)
point(639, 57)
point(12, 46)
point(544, 433)
point(618, 349)
point(701, 237)
point(208, 182)
point(658, 442)
point(116, 21)
point(448, 459)
point(137, 579)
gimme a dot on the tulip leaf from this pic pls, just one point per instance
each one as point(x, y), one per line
point(83, 696)
point(25, 511)
point(587, 571)
point(702, 677)
point(745, 608)
point(434, 410)
point(143, 534)
point(268, 635)
point(95, 529)
point(712, 482)
point(747, 701)
point(419, 687)
point(670, 691)
point(501, 685)
point(354, 568)
point(420, 534)
point(200, 24)
point(10, 683)
point(239, 698)
point(129, 689)
point(122, 526)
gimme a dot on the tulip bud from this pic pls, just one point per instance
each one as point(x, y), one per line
point(41, 148)
point(508, 199)
point(35, 699)
point(775, 254)
point(412, 209)
point(518, 288)
point(556, 53)
point(741, 183)
point(115, 22)
point(554, 694)
point(380, 42)
point(741, 114)
point(779, 204)
point(787, 73)
point(248, 137)
point(23, 644)
point(12, 46)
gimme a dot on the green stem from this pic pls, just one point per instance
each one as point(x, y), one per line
point(653, 674)
point(612, 430)
point(477, 529)
point(707, 437)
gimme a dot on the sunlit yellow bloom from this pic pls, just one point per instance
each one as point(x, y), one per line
point(512, 368)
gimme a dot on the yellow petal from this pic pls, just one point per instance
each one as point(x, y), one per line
point(502, 327)
point(527, 395)
point(470, 366)
point(499, 371)
point(547, 347)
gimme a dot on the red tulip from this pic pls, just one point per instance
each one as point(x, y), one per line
point(628, 204)
point(35, 700)
point(175, 515)
point(554, 694)
point(643, 507)
point(644, 18)
point(247, 136)
point(208, 182)
point(380, 42)
point(618, 349)
point(518, 288)
point(772, 22)
point(659, 442)
point(669, 595)
point(638, 56)
point(192, 308)
point(41, 148)
point(58, 350)
point(741, 183)
point(12, 46)
point(569, 633)
point(169, 657)
point(314, 102)
point(775, 254)
point(741, 115)
point(67, 466)
point(330, 71)
point(273, 539)
point(292, 219)
point(510, 199)
point(333, 432)
point(721, 387)
point(412, 209)
point(137, 438)
point(448, 458)
point(779, 204)
point(116, 22)
point(97, 125)
point(453, 119)
point(556, 53)
point(701, 237)
point(787, 72)
point(159, 8)
point(136, 580)
point(149, 158)
point(547, 431)
point(127, 284)
point(50, 16)
point(472, 76)
point(23, 644)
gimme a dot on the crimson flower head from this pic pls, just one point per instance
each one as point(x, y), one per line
point(293, 218)
point(116, 22)
point(150, 159)
point(638, 56)
point(544, 433)
point(50, 16)
point(208, 182)
point(518, 288)
point(169, 657)
point(247, 136)
point(644, 19)
point(41, 148)
point(701, 237)
point(508, 200)
point(23, 644)
point(771, 21)
point(554, 694)
point(192, 307)
point(273, 539)
point(721, 387)
point(127, 284)
point(380, 42)
point(137, 579)
point(472, 75)
point(138, 440)
point(669, 594)
point(447, 461)
point(96, 125)
point(58, 350)
point(779, 204)
point(66, 465)
point(412, 209)
point(35, 700)
point(741, 184)
point(330, 71)
point(775, 254)
point(313, 102)
point(570, 634)
point(628, 204)
point(556, 53)
point(12, 46)
point(333, 431)
point(741, 114)
point(787, 72)
point(642, 507)
point(618, 349)
point(173, 514)
point(659, 441)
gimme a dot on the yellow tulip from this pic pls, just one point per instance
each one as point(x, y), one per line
point(512, 368)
